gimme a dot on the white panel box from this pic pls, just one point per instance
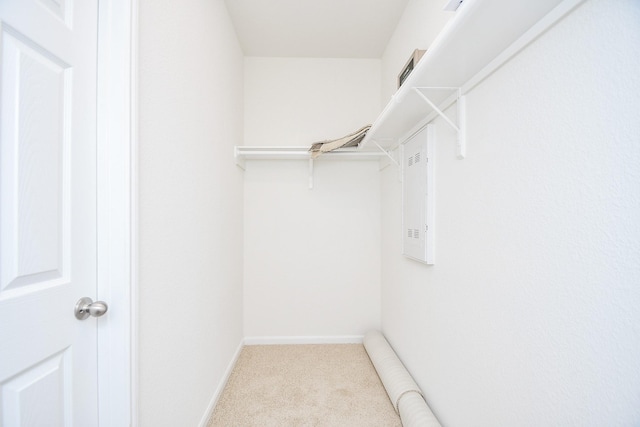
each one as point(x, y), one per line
point(418, 196)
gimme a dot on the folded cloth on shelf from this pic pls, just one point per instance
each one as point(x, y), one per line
point(351, 140)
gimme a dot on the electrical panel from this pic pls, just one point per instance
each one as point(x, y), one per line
point(418, 196)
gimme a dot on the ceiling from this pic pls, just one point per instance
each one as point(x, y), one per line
point(315, 28)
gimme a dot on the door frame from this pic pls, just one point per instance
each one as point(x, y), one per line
point(117, 211)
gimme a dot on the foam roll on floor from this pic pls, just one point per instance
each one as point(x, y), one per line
point(404, 393)
point(414, 411)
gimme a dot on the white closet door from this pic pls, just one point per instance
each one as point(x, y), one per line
point(48, 358)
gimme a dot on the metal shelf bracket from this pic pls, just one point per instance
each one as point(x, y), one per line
point(460, 127)
point(386, 153)
point(239, 159)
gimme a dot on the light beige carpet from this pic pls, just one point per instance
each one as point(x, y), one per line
point(304, 385)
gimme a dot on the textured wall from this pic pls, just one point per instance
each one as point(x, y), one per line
point(530, 315)
point(190, 317)
point(312, 257)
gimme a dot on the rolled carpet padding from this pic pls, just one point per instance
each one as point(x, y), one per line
point(392, 373)
point(404, 393)
point(414, 411)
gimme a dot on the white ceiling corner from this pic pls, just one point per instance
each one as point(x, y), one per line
point(315, 28)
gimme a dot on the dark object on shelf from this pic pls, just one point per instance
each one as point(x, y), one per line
point(409, 66)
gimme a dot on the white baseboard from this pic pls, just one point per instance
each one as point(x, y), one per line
point(221, 385)
point(339, 339)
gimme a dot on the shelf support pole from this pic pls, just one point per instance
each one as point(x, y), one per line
point(460, 128)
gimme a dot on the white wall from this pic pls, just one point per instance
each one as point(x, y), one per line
point(530, 315)
point(190, 315)
point(298, 101)
point(311, 256)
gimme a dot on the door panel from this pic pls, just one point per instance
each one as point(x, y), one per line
point(40, 395)
point(48, 369)
point(34, 186)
